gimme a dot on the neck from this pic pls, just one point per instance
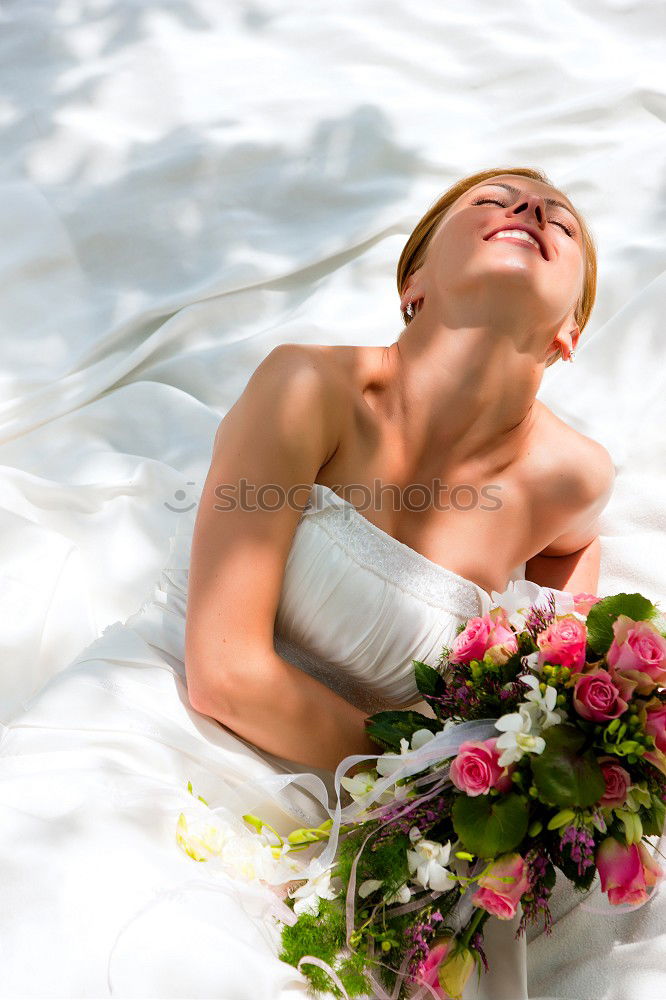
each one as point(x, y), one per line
point(465, 396)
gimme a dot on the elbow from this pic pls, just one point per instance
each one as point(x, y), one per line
point(207, 698)
point(228, 694)
point(576, 572)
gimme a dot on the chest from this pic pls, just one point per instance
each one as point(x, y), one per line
point(477, 525)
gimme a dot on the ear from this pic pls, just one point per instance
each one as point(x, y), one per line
point(565, 340)
point(413, 291)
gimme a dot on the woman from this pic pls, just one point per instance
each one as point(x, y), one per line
point(451, 402)
point(287, 613)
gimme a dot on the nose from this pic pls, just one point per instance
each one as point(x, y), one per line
point(532, 206)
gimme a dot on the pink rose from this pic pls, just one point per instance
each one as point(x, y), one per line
point(657, 758)
point(428, 969)
point(563, 642)
point(638, 651)
point(599, 697)
point(655, 725)
point(475, 769)
point(583, 603)
point(626, 871)
point(502, 898)
point(618, 782)
point(472, 642)
point(501, 640)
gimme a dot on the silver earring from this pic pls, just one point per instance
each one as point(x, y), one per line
point(572, 355)
point(410, 310)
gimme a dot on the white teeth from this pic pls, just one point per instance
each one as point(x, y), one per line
point(516, 234)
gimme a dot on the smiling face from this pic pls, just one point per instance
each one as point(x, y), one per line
point(506, 274)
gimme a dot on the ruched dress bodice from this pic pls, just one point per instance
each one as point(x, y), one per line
point(357, 606)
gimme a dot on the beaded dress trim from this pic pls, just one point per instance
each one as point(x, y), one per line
point(391, 559)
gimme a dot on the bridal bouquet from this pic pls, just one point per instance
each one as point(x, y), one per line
point(546, 750)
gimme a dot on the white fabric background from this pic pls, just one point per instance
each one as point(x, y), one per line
point(185, 185)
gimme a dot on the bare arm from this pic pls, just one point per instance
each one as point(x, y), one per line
point(571, 561)
point(278, 434)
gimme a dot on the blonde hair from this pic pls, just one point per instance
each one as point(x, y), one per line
point(414, 252)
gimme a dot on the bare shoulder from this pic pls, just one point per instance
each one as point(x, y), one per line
point(290, 378)
point(575, 475)
point(320, 360)
point(579, 469)
point(299, 357)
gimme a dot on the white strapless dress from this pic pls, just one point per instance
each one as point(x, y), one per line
point(98, 900)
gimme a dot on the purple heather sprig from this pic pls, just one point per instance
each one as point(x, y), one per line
point(421, 936)
point(540, 617)
point(400, 818)
point(581, 846)
point(536, 900)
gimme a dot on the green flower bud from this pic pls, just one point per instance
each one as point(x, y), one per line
point(302, 837)
point(533, 791)
point(535, 828)
point(386, 945)
point(613, 726)
point(561, 818)
point(561, 700)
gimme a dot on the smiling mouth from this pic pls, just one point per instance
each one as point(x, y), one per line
point(518, 242)
point(533, 243)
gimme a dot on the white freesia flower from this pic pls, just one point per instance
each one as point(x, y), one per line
point(362, 785)
point(403, 895)
point(520, 595)
point(545, 702)
point(530, 661)
point(519, 734)
point(422, 736)
point(370, 884)
point(429, 859)
point(307, 896)
point(388, 763)
point(517, 599)
point(241, 854)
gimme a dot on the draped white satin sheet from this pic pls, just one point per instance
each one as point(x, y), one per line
point(184, 186)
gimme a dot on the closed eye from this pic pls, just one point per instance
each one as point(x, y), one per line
point(492, 201)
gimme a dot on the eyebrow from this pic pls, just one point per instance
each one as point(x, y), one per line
point(549, 201)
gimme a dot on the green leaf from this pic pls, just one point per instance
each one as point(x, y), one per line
point(490, 825)
point(428, 680)
point(602, 615)
point(562, 774)
point(654, 818)
point(549, 876)
point(388, 728)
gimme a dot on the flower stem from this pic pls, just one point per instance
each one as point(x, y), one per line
point(478, 917)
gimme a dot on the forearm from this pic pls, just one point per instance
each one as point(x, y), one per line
point(577, 572)
point(283, 710)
